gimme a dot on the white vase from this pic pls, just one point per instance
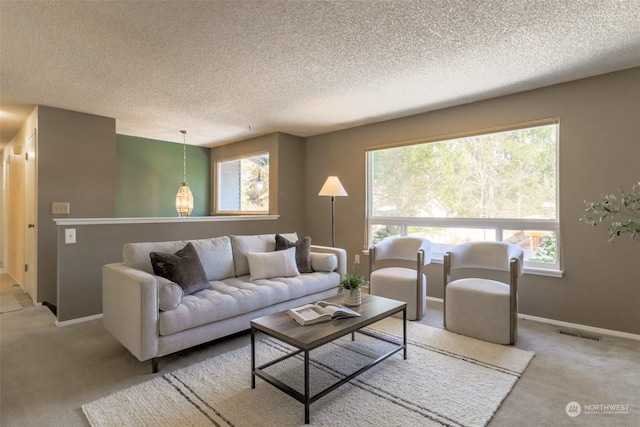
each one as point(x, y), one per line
point(352, 298)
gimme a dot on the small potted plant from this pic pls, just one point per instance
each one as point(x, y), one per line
point(350, 284)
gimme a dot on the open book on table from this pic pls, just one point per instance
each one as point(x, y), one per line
point(321, 311)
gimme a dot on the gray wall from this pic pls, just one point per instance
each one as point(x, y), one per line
point(291, 185)
point(76, 164)
point(599, 152)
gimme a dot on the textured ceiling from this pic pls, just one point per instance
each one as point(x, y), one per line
point(229, 70)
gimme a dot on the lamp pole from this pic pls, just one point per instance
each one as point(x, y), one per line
point(333, 187)
point(333, 221)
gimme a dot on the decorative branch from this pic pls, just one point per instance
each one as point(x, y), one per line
point(623, 212)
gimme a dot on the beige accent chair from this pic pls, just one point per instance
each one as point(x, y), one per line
point(478, 307)
point(390, 276)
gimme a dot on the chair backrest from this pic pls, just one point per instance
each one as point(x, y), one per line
point(486, 255)
point(402, 248)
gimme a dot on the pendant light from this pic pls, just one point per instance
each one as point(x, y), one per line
point(184, 198)
point(259, 182)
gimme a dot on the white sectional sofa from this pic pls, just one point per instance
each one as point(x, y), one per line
point(247, 278)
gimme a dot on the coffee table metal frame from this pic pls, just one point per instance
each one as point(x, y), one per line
point(307, 338)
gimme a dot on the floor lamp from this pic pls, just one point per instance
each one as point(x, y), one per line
point(333, 187)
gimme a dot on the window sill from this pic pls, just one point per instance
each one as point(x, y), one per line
point(544, 272)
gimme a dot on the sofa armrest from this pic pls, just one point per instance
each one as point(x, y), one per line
point(130, 308)
point(340, 253)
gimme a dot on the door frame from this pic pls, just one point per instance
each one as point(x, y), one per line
point(4, 213)
point(31, 216)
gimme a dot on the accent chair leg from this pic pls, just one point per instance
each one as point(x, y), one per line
point(154, 365)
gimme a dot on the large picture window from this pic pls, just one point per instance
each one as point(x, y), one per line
point(491, 186)
point(243, 185)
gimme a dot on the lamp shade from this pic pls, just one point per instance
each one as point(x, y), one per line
point(332, 187)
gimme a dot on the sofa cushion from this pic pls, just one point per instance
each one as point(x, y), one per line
point(182, 267)
point(303, 247)
point(216, 257)
point(258, 243)
point(267, 265)
point(136, 255)
point(323, 262)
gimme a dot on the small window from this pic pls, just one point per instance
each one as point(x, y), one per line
point(243, 185)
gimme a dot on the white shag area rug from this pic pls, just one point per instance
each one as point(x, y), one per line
point(9, 303)
point(447, 380)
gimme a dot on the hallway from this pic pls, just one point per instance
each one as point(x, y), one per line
point(8, 286)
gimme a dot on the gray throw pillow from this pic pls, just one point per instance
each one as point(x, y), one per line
point(303, 251)
point(183, 268)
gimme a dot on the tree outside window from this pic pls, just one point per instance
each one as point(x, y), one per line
point(243, 185)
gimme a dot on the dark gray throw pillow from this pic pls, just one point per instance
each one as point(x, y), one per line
point(183, 268)
point(303, 251)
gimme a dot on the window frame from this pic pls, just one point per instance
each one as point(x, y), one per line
point(497, 225)
point(218, 182)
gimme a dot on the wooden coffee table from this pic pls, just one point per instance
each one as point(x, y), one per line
point(307, 338)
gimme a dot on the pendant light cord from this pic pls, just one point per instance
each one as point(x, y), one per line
point(184, 156)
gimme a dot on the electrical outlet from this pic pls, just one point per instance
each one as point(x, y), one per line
point(356, 260)
point(69, 235)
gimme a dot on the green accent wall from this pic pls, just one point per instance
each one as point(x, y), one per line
point(149, 172)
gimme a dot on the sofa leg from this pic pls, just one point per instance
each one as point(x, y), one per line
point(154, 365)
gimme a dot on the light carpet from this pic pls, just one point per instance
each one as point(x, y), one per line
point(448, 379)
point(9, 303)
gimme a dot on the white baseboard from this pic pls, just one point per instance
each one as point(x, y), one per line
point(79, 320)
point(592, 329)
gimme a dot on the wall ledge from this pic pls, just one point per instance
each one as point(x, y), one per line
point(158, 220)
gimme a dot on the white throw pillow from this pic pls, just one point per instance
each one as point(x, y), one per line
point(267, 265)
point(256, 243)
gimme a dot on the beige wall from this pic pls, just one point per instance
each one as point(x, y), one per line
point(15, 216)
point(599, 152)
point(14, 161)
